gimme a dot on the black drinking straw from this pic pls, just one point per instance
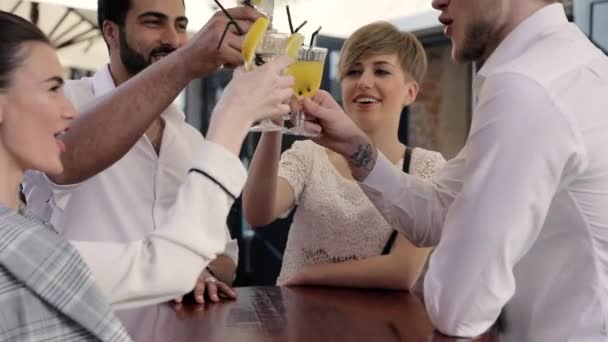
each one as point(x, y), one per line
point(289, 20)
point(314, 36)
point(231, 22)
point(301, 25)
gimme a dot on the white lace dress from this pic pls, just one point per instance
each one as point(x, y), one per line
point(334, 220)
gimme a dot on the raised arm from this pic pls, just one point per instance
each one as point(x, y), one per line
point(143, 272)
point(266, 195)
point(414, 207)
point(110, 126)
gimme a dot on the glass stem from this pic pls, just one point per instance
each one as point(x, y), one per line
point(300, 118)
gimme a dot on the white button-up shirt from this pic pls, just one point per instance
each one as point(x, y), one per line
point(131, 198)
point(520, 216)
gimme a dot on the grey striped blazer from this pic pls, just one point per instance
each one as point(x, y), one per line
point(46, 291)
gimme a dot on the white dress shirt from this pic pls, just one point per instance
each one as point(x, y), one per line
point(131, 198)
point(520, 216)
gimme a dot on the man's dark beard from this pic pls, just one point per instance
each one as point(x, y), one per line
point(135, 62)
point(477, 43)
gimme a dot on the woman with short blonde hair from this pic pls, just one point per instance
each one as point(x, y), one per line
point(338, 237)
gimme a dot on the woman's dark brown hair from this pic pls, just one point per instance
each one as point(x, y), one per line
point(14, 32)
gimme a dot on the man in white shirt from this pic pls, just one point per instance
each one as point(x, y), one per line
point(520, 216)
point(123, 169)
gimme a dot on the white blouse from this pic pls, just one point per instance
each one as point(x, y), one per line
point(334, 220)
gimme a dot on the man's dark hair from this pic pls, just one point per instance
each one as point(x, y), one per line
point(112, 10)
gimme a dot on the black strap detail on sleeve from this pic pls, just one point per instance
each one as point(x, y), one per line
point(407, 160)
point(214, 181)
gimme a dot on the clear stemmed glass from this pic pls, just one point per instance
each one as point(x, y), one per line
point(308, 73)
point(273, 44)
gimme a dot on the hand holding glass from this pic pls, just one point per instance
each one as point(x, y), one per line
point(308, 73)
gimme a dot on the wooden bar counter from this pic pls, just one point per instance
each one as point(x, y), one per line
point(304, 314)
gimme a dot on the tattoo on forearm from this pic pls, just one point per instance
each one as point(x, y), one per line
point(363, 158)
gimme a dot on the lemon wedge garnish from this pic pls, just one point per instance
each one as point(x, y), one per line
point(252, 39)
point(294, 42)
point(258, 2)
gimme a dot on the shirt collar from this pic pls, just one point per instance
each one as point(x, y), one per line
point(517, 42)
point(103, 83)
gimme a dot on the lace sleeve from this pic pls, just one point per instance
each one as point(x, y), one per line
point(425, 163)
point(295, 165)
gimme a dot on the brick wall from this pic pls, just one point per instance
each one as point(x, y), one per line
point(439, 119)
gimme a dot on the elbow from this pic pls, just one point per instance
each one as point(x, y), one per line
point(399, 281)
point(256, 221)
point(406, 282)
point(256, 218)
point(397, 278)
point(454, 317)
point(259, 211)
point(410, 283)
point(444, 316)
point(404, 286)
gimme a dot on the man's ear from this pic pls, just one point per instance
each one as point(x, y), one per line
point(111, 34)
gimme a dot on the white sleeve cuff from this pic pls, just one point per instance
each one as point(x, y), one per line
point(232, 250)
point(222, 166)
point(384, 179)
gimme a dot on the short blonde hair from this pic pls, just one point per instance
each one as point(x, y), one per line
point(380, 38)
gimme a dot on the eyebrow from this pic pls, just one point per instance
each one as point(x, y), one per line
point(161, 16)
point(55, 79)
point(383, 63)
point(358, 64)
point(156, 15)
